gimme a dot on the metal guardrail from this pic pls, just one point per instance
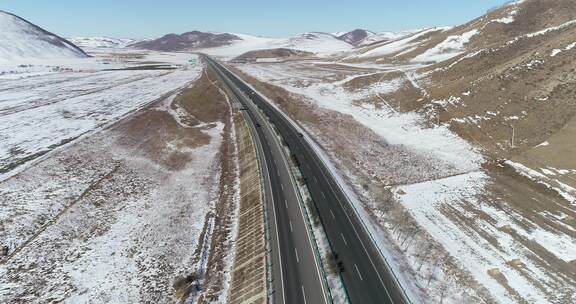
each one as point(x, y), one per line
point(309, 228)
point(364, 226)
point(267, 236)
point(356, 212)
point(310, 225)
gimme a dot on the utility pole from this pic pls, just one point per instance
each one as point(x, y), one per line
point(513, 135)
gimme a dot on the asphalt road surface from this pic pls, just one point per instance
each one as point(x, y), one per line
point(296, 274)
point(366, 276)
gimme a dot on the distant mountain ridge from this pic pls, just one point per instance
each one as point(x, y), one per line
point(355, 37)
point(230, 45)
point(101, 42)
point(494, 29)
point(271, 54)
point(187, 41)
point(21, 40)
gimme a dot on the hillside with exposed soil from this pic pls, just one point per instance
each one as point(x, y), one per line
point(271, 54)
point(459, 145)
point(124, 176)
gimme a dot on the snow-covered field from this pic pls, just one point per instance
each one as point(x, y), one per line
point(116, 215)
point(43, 109)
point(493, 239)
point(101, 223)
point(396, 128)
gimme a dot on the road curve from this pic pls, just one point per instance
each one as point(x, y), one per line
point(366, 275)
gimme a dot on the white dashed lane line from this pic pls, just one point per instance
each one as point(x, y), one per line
point(344, 239)
point(298, 258)
point(358, 271)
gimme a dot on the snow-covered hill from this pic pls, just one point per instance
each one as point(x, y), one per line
point(22, 40)
point(396, 44)
point(101, 42)
point(500, 26)
point(314, 42)
point(360, 37)
point(187, 41)
point(497, 230)
point(231, 44)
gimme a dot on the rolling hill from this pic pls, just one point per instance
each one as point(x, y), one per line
point(21, 40)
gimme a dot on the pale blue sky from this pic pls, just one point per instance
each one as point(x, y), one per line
point(151, 18)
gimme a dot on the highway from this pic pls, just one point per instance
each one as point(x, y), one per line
point(296, 274)
point(365, 273)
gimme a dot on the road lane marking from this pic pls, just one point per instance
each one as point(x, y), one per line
point(286, 203)
point(298, 258)
point(323, 195)
point(358, 271)
point(344, 239)
point(333, 217)
point(303, 294)
point(260, 114)
point(282, 186)
point(357, 235)
point(291, 228)
point(274, 213)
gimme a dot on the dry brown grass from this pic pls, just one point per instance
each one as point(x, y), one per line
point(249, 281)
point(361, 82)
point(509, 82)
point(364, 159)
point(222, 236)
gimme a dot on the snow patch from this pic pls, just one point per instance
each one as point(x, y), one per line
point(567, 192)
point(399, 45)
point(404, 129)
point(449, 48)
point(544, 31)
